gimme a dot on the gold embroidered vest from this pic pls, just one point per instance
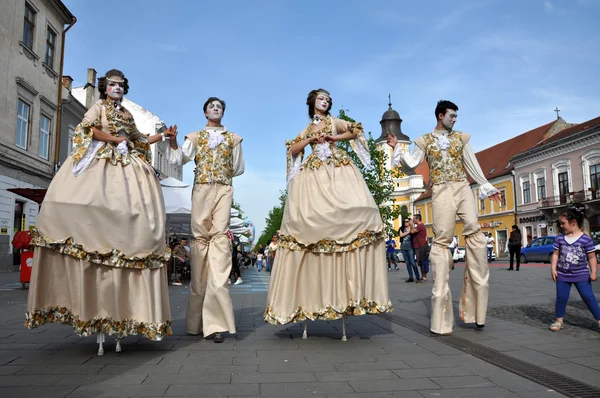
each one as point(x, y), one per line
point(452, 168)
point(214, 165)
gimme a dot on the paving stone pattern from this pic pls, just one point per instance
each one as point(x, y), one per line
point(380, 358)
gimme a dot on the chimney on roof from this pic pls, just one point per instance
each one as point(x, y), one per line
point(67, 82)
point(89, 87)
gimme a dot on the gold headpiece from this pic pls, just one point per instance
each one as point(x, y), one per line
point(115, 79)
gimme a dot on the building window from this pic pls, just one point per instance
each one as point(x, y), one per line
point(563, 186)
point(28, 26)
point(22, 124)
point(44, 136)
point(526, 192)
point(482, 204)
point(50, 47)
point(70, 143)
point(528, 234)
point(541, 188)
point(502, 197)
point(160, 162)
point(595, 176)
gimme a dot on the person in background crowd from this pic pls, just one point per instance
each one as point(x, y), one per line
point(419, 241)
point(489, 242)
point(272, 249)
point(514, 246)
point(391, 253)
point(408, 252)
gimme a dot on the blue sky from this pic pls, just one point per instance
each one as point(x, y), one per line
point(506, 63)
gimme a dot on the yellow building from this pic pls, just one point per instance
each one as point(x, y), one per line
point(495, 218)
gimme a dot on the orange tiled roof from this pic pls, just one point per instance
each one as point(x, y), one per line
point(576, 128)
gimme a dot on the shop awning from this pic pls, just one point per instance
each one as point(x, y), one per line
point(37, 195)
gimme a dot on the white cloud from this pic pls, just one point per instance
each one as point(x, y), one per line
point(548, 6)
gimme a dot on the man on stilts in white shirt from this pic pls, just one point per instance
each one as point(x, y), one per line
point(449, 154)
point(218, 157)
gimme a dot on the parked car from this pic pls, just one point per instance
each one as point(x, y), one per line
point(597, 243)
point(459, 254)
point(540, 249)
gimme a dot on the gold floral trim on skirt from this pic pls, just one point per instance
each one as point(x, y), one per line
point(329, 313)
point(113, 258)
point(126, 327)
point(331, 245)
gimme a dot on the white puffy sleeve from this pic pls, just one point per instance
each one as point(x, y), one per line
point(411, 161)
point(474, 170)
point(184, 154)
point(238, 160)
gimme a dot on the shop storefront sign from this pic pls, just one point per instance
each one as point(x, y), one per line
point(491, 224)
point(538, 218)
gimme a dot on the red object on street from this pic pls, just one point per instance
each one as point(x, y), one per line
point(26, 264)
point(21, 240)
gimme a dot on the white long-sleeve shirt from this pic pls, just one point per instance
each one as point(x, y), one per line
point(472, 166)
point(187, 153)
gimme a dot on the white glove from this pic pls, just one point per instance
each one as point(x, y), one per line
point(122, 148)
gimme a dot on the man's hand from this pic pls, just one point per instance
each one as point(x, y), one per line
point(554, 274)
point(391, 139)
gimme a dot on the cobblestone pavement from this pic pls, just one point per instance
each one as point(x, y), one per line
point(380, 359)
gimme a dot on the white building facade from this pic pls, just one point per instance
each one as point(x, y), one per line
point(31, 33)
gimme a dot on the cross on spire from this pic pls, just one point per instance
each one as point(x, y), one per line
point(390, 100)
point(557, 110)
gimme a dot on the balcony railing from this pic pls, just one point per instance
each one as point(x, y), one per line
point(570, 198)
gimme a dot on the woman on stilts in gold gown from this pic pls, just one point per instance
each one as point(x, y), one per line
point(330, 261)
point(100, 254)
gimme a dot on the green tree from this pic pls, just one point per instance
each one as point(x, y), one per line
point(378, 178)
point(273, 221)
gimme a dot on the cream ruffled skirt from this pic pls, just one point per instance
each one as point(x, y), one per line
point(100, 253)
point(331, 255)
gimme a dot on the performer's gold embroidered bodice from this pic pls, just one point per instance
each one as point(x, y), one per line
point(450, 169)
point(105, 117)
point(214, 165)
point(338, 157)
